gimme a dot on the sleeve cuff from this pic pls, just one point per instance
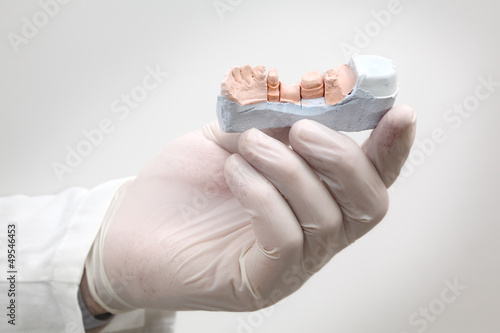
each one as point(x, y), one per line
point(89, 321)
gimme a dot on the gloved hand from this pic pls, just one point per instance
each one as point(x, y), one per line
point(237, 222)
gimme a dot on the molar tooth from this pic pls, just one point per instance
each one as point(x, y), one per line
point(312, 85)
point(247, 74)
point(339, 83)
point(245, 85)
point(259, 73)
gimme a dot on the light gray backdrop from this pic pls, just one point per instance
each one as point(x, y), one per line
point(431, 266)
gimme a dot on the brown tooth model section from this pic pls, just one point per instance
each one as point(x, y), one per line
point(339, 83)
point(273, 86)
point(312, 86)
point(246, 85)
point(290, 94)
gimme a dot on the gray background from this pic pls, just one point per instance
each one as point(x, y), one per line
point(443, 222)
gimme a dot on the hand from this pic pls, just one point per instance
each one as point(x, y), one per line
point(237, 222)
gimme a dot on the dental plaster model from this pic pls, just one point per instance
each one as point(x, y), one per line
point(352, 97)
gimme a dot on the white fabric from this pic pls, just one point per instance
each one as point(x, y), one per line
point(53, 237)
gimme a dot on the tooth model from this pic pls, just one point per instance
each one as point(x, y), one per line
point(352, 97)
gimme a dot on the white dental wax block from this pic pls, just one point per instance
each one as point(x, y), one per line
point(373, 95)
point(375, 74)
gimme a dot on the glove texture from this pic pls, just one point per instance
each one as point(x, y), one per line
point(237, 222)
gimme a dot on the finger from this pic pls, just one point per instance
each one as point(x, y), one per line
point(352, 178)
point(229, 141)
point(278, 234)
point(389, 143)
point(311, 202)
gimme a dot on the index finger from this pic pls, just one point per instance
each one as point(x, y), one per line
point(229, 141)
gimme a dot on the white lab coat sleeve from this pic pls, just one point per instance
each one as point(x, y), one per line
point(51, 239)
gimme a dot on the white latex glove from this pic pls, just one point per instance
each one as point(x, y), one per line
point(237, 222)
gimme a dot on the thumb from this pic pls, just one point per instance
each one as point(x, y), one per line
point(389, 144)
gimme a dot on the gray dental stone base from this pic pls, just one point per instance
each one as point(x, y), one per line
point(356, 112)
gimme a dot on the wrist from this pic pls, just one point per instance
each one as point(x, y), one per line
point(92, 306)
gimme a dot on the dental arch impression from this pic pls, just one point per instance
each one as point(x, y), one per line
point(351, 97)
